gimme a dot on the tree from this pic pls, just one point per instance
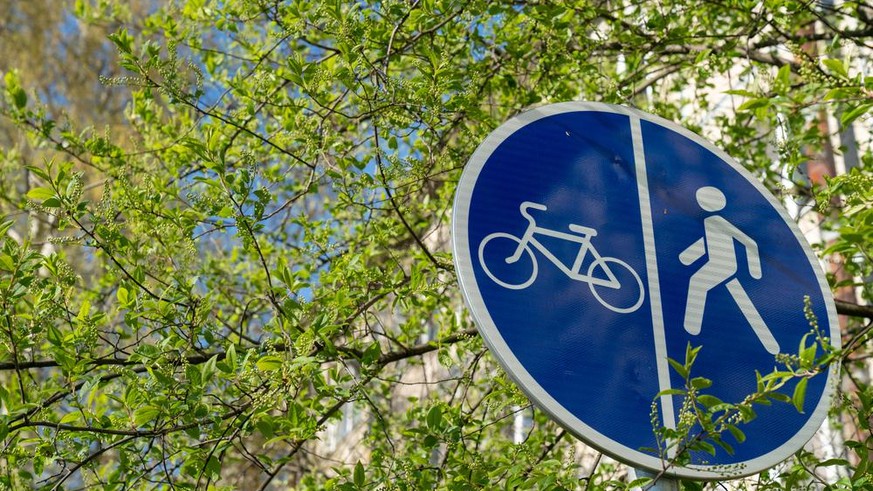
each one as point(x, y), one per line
point(265, 243)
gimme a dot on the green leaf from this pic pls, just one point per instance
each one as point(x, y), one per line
point(5, 226)
point(122, 40)
point(213, 466)
point(208, 369)
point(19, 97)
point(269, 363)
point(836, 68)
point(863, 463)
point(852, 114)
point(807, 353)
point(755, 104)
point(230, 358)
point(265, 426)
point(839, 93)
point(778, 396)
point(783, 77)
point(709, 400)
point(830, 462)
point(194, 376)
point(40, 194)
point(6, 262)
point(678, 367)
point(747, 413)
point(145, 414)
point(54, 336)
point(430, 441)
point(671, 392)
point(799, 395)
point(71, 417)
point(738, 434)
point(725, 445)
point(741, 92)
point(721, 407)
point(42, 174)
point(690, 355)
point(706, 447)
point(640, 482)
point(84, 309)
point(162, 378)
point(123, 296)
point(371, 354)
point(359, 477)
point(701, 383)
point(435, 417)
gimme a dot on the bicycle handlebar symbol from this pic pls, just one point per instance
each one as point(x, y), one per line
point(600, 276)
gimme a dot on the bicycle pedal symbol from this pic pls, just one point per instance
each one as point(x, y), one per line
point(600, 276)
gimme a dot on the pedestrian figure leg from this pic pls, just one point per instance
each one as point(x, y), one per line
point(701, 282)
point(751, 313)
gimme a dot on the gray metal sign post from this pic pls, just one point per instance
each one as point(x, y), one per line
point(662, 483)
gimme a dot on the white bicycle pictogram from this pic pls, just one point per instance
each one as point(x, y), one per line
point(600, 274)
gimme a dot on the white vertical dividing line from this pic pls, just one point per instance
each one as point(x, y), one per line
point(667, 413)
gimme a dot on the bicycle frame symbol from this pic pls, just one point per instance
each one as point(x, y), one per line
point(600, 275)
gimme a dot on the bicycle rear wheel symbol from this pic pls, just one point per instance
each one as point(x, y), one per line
point(612, 281)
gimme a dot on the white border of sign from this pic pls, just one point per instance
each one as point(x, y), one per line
point(464, 266)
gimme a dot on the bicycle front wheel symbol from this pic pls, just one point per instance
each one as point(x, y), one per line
point(615, 285)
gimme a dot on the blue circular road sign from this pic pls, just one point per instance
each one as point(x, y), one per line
point(593, 242)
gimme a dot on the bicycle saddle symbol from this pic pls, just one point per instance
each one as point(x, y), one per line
point(600, 276)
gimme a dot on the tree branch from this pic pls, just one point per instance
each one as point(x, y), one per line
point(854, 310)
point(423, 348)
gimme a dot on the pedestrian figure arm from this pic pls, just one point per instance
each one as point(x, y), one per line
point(754, 260)
point(752, 256)
point(694, 252)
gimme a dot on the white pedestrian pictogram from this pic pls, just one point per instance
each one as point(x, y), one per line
point(717, 244)
point(600, 272)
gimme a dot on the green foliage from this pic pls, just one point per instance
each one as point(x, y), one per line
point(227, 267)
point(705, 421)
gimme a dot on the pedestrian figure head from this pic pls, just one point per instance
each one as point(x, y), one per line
point(710, 198)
